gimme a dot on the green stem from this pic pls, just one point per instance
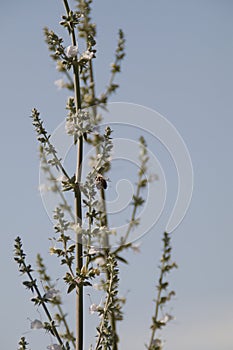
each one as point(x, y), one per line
point(133, 216)
point(57, 187)
point(63, 319)
point(68, 77)
point(55, 332)
point(104, 220)
point(110, 279)
point(46, 278)
point(111, 80)
point(78, 198)
point(102, 192)
point(132, 219)
point(157, 306)
point(60, 166)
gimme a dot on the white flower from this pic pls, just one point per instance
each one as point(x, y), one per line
point(43, 188)
point(153, 177)
point(62, 178)
point(98, 286)
point(93, 250)
point(71, 51)
point(167, 318)
point(87, 55)
point(157, 343)
point(78, 125)
point(93, 308)
point(36, 324)
point(100, 261)
point(136, 247)
point(78, 280)
point(54, 347)
point(76, 228)
point(59, 84)
point(51, 293)
point(70, 127)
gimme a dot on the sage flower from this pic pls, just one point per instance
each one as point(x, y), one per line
point(51, 293)
point(71, 51)
point(36, 324)
point(59, 84)
point(54, 347)
point(93, 308)
point(87, 55)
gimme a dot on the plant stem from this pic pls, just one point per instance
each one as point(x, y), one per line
point(104, 220)
point(55, 332)
point(47, 279)
point(102, 192)
point(105, 312)
point(133, 216)
point(155, 318)
point(47, 169)
point(132, 219)
point(78, 199)
point(63, 318)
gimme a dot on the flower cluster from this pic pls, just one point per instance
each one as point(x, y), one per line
point(106, 334)
point(80, 124)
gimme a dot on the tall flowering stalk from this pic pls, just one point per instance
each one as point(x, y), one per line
point(90, 257)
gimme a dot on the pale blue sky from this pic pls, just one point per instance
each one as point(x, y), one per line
point(179, 62)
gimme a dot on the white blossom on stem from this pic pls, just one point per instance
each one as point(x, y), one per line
point(72, 51)
point(59, 84)
point(54, 347)
point(95, 308)
point(78, 125)
point(51, 293)
point(36, 324)
point(87, 55)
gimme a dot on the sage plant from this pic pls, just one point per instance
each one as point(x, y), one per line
point(83, 235)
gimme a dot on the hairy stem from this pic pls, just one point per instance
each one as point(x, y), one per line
point(102, 192)
point(157, 306)
point(132, 220)
point(78, 199)
point(46, 278)
point(63, 319)
point(104, 220)
point(55, 332)
point(106, 306)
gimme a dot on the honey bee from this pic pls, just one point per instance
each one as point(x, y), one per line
point(100, 182)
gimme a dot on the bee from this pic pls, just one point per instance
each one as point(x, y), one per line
point(100, 182)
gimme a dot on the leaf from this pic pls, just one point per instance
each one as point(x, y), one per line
point(71, 288)
point(121, 259)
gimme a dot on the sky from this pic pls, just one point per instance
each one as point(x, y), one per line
point(178, 63)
